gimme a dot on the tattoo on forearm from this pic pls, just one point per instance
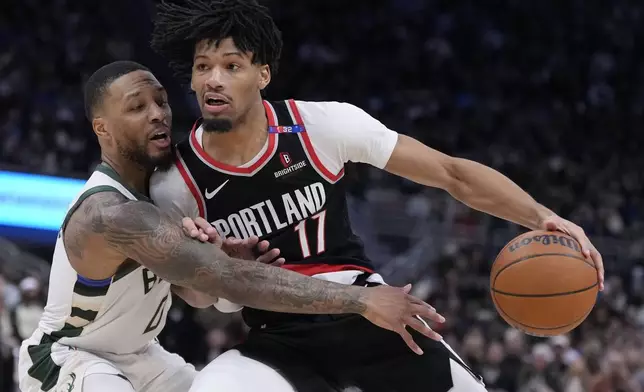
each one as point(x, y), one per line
point(139, 230)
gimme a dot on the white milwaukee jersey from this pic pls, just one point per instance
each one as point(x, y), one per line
point(119, 315)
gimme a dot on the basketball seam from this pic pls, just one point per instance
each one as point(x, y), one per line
point(528, 232)
point(543, 295)
point(498, 306)
point(524, 258)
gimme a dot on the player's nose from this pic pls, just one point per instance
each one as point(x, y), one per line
point(157, 113)
point(215, 80)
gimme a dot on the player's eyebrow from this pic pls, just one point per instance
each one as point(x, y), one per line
point(227, 54)
point(240, 54)
point(137, 92)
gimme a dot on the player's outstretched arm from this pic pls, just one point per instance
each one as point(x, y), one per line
point(481, 188)
point(472, 183)
point(140, 231)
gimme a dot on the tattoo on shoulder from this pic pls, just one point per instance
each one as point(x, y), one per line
point(81, 224)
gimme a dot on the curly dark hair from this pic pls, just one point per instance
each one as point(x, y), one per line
point(178, 28)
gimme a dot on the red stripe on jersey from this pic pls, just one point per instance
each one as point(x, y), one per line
point(314, 269)
point(311, 150)
point(187, 178)
point(272, 139)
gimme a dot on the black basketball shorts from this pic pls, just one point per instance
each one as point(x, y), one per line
point(349, 354)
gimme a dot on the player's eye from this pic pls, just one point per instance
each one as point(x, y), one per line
point(136, 108)
point(233, 67)
point(201, 67)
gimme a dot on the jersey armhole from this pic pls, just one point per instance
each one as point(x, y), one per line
point(98, 283)
point(81, 198)
point(309, 149)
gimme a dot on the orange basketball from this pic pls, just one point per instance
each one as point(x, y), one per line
point(542, 284)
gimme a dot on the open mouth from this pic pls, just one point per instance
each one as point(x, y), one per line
point(161, 139)
point(215, 102)
point(160, 136)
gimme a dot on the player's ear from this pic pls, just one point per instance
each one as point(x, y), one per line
point(264, 76)
point(99, 126)
point(192, 85)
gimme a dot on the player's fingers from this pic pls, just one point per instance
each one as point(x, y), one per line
point(407, 288)
point(418, 301)
point(262, 246)
point(189, 227)
point(279, 262)
point(215, 238)
point(578, 234)
point(269, 256)
point(232, 241)
point(203, 237)
point(250, 242)
point(421, 326)
point(599, 263)
point(427, 312)
point(203, 224)
point(409, 340)
point(552, 226)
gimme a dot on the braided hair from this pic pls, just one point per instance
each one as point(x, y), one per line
point(178, 28)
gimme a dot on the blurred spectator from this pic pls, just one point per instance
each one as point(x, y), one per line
point(8, 343)
point(26, 314)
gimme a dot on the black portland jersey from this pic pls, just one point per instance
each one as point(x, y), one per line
point(293, 193)
point(286, 196)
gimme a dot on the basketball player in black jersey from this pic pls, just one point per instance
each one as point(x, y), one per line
point(276, 170)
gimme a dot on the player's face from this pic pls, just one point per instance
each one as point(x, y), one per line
point(138, 119)
point(226, 82)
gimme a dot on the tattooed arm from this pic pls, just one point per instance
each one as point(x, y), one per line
point(140, 231)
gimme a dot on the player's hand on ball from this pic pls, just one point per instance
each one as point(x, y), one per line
point(394, 309)
point(557, 223)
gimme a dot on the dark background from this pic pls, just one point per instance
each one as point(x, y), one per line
point(551, 93)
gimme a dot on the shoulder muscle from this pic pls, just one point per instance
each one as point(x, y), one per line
point(82, 239)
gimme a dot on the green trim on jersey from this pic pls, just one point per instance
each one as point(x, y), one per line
point(128, 266)
point(90, 291)
point(88, 315)
point(109, 171)
point(89, 192)
point(68, 331)
point(44, 369)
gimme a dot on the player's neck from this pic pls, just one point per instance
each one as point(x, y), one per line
point(242, 143)
point(131, 174)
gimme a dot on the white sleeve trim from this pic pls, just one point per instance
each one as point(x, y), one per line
point(341, 133)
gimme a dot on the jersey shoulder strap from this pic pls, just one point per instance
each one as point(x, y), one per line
point(284, 117)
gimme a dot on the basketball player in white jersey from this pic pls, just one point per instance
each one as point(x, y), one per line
point(117, 257)
point(275, 169)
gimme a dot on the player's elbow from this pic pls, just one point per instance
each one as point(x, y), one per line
point(455, 178)
point(200, 304)
point(194, 298)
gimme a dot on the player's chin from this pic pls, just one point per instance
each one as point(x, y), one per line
point(217, 124)
point(160, 157)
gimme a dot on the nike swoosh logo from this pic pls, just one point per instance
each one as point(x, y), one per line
point(210, 195)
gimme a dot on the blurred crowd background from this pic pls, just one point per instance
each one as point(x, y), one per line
point(551, 93)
